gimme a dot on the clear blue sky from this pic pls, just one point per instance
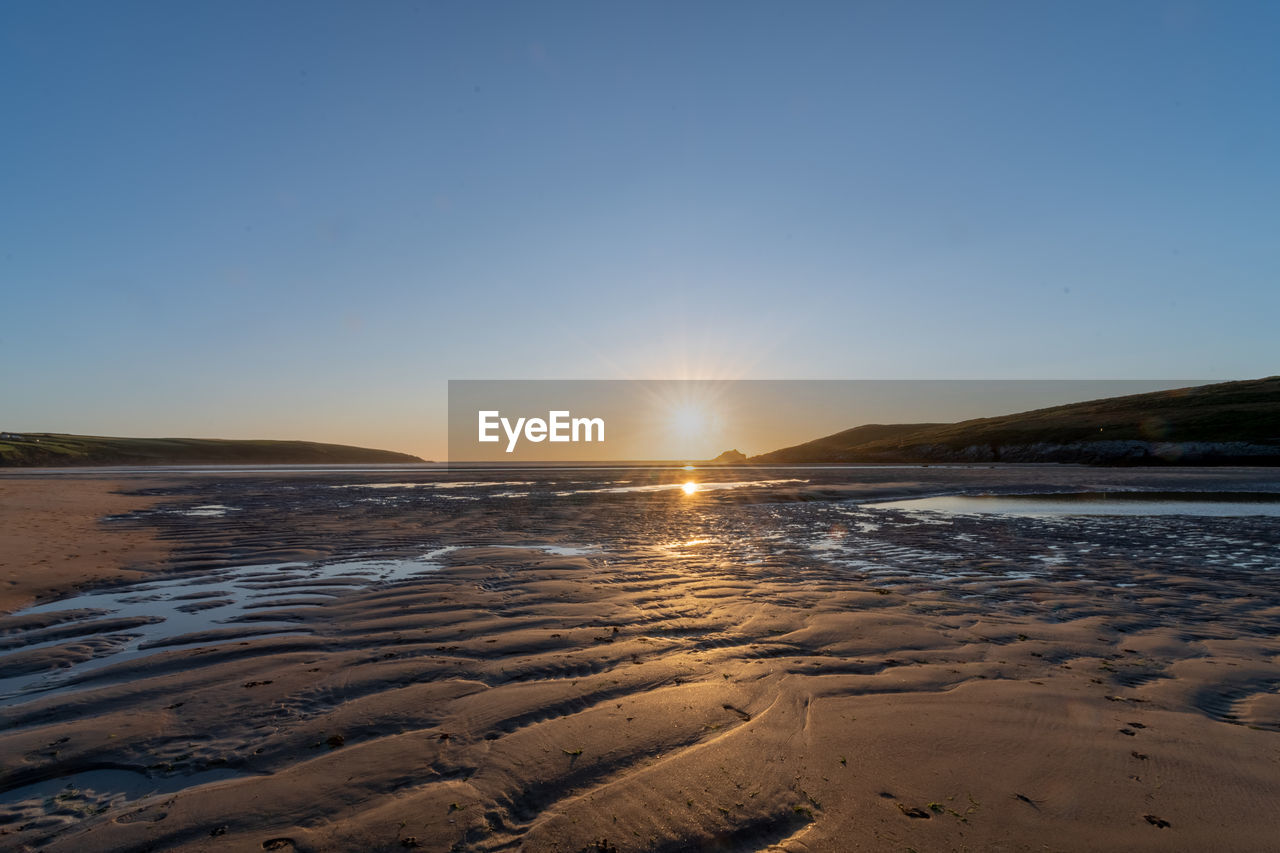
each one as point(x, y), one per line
point(279, 219)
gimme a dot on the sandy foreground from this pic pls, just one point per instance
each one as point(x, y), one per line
point(769, 667)
point(53, 539)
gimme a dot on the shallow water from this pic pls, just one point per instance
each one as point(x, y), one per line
point(689, 487)
point(92, 789)
point(206, 609)
point(661, 565)
point(1092, 503)
point(123, 623)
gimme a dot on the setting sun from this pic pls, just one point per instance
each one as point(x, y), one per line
point(690, 487)
point(689, 421)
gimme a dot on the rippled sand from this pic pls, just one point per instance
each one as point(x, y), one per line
point(548, 663)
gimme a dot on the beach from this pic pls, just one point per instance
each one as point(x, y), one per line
point(54, 540)
point(602, 659)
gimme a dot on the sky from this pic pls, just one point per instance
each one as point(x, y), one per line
point(301, 219)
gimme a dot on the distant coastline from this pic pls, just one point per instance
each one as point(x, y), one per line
point(1228, 423)
point(52, 450)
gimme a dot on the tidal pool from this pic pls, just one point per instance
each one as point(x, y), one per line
point(48, 646)
point(117, 624)
point(1221, 504)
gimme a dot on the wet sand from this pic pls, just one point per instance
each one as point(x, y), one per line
point(565, 669)
point(53, 539)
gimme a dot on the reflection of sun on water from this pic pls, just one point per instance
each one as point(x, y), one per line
point(690, 487)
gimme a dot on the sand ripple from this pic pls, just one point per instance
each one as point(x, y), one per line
point(767, 672)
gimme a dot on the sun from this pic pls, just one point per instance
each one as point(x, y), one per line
point(689, 421)
point(690, 487)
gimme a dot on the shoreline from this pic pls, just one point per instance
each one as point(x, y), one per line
point(783, 670)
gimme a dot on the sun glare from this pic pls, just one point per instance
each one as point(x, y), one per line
point(689, 422)
point(690, 487)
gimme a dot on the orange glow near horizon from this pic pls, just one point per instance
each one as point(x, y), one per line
point(690, 487)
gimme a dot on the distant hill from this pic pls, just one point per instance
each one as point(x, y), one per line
point(1222, 424)
point(835, 448)
point(43, 449)
point(729, 457)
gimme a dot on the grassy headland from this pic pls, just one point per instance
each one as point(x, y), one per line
point(1225, 423)
point(43, 449)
